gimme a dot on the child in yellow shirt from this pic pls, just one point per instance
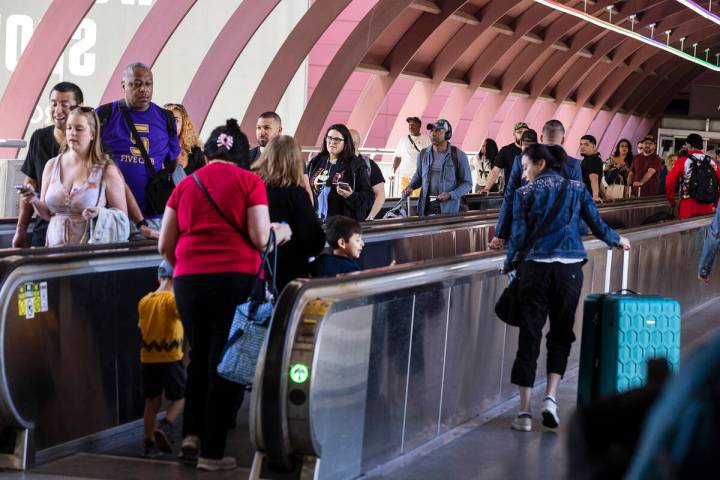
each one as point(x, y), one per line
point(161, 358)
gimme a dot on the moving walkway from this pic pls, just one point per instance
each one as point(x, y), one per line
point(69, 368)
point(363, 369)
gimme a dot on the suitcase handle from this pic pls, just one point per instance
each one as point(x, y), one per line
point(608, 270)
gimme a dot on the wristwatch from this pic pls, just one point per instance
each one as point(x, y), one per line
point(141, 223)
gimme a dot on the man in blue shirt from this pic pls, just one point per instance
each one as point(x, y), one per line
point(553, 133)
point(443, 173)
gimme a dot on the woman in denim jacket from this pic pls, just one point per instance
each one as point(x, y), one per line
point(550, 275)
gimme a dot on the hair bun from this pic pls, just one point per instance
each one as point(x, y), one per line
point(231, 125)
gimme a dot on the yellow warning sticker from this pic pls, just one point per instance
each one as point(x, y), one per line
point(316, 308)
point(32, 298)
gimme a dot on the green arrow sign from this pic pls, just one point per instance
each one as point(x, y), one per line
point(299, 373)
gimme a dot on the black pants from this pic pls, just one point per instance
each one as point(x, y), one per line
point(206, 304)
point(546, 289)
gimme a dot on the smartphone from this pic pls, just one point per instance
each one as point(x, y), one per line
point(343, 185)
point(21, 189)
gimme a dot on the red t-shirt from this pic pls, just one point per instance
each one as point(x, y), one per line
point(207, 244)
point(640, 165)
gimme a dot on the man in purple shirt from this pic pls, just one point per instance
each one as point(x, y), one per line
point(155, 127)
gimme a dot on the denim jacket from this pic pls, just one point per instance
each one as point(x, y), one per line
point(571, 170)
point(710, 248)
point(448, 182)
point(562, 239)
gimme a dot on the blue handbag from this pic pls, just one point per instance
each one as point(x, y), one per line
point(252, 318)
point(250, 326)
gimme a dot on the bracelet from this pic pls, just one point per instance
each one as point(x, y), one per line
point(141, 223)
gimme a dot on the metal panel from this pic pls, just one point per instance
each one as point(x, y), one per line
point(475, 344)
point(426, 365)
point(340, 380)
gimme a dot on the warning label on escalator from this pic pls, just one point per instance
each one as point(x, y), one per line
point(32, 299)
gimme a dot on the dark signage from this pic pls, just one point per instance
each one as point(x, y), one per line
point(705, 101)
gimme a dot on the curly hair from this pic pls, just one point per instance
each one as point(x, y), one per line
point(187, 135)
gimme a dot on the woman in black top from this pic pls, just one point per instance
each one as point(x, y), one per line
point(339, 179)
point(281, 168)
point(191, 155)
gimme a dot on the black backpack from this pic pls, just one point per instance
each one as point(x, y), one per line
point(703, 183)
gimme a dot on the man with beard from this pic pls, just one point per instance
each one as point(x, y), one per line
point(269, 126)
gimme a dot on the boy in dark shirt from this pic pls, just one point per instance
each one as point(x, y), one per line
point(344, 235)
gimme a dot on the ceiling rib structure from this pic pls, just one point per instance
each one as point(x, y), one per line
point(482, 64)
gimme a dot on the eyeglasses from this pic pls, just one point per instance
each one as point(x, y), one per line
point(334, 139)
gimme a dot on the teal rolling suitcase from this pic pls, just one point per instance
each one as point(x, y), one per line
point(620, 332)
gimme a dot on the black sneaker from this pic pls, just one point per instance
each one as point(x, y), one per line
point(165, 436)
point(151, 450)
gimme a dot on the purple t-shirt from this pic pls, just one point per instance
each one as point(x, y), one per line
point(152, 126)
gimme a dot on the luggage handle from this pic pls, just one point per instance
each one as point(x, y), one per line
point(608, 271)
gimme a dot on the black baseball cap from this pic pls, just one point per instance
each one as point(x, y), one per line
point(413, 120)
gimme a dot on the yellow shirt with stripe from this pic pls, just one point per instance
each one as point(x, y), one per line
point(161, 328)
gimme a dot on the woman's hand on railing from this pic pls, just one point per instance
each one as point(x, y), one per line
point(624, 243)
point(283, 232)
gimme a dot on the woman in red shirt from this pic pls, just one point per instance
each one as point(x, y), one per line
point(215, 267)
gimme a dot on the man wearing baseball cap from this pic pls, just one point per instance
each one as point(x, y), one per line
point(406, 153)
point(443, 173)
point(644, 173)
point(505, 158)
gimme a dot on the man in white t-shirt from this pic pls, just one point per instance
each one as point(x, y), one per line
point(405, 162)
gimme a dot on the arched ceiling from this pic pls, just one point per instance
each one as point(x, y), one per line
point(489, 62)
point(510, 48)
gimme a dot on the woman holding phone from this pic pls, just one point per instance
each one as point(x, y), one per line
point(77, 183)
point(339, 179)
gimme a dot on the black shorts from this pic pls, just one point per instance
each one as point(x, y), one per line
point(164, 377)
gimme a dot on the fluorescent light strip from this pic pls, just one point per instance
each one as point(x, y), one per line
point(623, 31)
point(700, 10)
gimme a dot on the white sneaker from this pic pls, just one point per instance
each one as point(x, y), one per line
point(190, 449)
point(522, 422)
point(212, 465)
point(550, 416)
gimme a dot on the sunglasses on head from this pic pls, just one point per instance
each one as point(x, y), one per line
point(82, 108)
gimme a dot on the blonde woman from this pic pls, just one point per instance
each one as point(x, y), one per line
point(77, 183)
point(191, 155)
point(281, 168)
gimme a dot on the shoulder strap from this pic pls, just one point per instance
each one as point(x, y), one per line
point(170, 123)
point(220, 212)
point(103, 112)
point(540, 231)
point(456, 164)
point(138, 141)
point(413, 143)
